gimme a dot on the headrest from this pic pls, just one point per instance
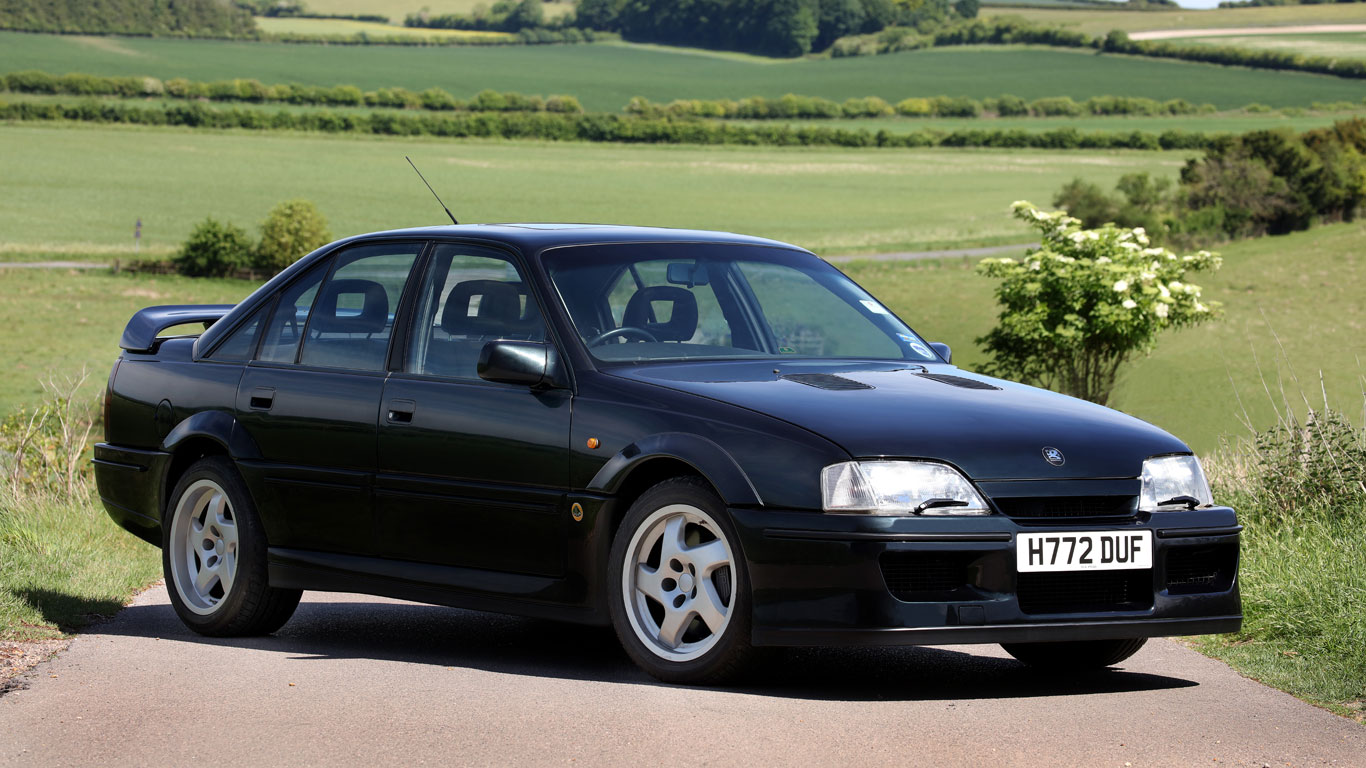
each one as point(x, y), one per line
point(372, 317)
point(682, 322)
point(500, 306)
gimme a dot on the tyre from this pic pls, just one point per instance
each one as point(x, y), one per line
point(1084, 654)
point(213, 553)
point(678, 586)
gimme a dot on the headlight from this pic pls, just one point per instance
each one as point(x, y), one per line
point(1173, 483)
point(899, 488)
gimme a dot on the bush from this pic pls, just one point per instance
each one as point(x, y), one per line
point(292, 230)
point(214, 250)
point(1077, 308)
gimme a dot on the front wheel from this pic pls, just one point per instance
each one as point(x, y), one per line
point(679, 589)
point(214, 556)
point(1080, 654)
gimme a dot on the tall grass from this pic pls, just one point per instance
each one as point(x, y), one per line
point(63, 562)
point(1300, 490)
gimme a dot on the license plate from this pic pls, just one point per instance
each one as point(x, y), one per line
point(1083, 551)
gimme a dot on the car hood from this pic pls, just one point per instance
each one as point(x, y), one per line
point(990, 428)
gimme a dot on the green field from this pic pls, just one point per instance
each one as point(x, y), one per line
point(1340, 44)
point(344, 27)
point(605, 77)
point(76, 188)
point(1101, 21)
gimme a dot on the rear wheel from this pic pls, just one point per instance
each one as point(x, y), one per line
point(1083, 654)
point(214, 556)
point(679, 590)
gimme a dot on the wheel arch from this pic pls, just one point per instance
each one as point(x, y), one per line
point(207, 433)
point(678, 452)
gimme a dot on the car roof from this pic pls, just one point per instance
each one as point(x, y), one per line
point(533, 237)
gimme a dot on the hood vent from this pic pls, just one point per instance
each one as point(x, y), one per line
point(957, 381)
point(825, 381)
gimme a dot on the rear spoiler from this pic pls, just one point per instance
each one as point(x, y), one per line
point(140, 334)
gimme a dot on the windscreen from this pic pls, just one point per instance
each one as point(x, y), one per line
point(645, 302)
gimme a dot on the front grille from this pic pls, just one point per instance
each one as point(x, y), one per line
point(1197, 570)
point(1086, 592)
point(920, 576)
point(1066, 509)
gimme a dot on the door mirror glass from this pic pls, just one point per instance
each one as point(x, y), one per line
point(530, 363)
point(943, 350)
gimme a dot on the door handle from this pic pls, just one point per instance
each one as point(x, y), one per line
point(262, 398)
point(401, 411)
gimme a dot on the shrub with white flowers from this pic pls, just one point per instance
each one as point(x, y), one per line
point(1076, 308)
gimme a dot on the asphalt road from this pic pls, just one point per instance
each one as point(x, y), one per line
point(355, 680)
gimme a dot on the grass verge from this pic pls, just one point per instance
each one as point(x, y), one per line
point(63, 563)
point(1304, 607)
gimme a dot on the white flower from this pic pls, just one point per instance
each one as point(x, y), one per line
point(1147, 276)
point(1077, 237)
point(1176, 285)
point(1163, 290)
point(1035, 265)
point(1200, 307)
point(1129, 246)
point(1153, 251)
point(1129, 304)
point(1018, 204)
point(1121, 286)
point(1005, 260)
point(1091, 234)
point(1039, 215)
point(1140, 231)
point(1103, 260)
point(1161, 310)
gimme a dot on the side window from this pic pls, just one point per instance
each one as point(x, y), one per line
point(353, 316)
point(242, 343)
point(471, 296)
point(286, 326)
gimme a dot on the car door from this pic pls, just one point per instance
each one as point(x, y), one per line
point(310, 399)
point(471, 473)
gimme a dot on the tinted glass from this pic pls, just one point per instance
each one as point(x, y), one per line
point(353, 315)
point(471, 296)
point(633, 302)
point(286, 326)
point(242, 343)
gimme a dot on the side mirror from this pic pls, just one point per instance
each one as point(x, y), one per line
point(943, 350)
point(531, 363)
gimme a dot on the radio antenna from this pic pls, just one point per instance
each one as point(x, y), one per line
point(433, 191)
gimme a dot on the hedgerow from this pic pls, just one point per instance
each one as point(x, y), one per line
point(586, 127)
point(794, 106)
point(244, 90)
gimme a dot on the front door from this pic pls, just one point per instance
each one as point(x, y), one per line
point(471, 473)
point(310, 400)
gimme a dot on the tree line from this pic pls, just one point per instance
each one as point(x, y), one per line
point(191, 18)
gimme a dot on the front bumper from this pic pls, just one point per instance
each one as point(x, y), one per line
point(821, 579)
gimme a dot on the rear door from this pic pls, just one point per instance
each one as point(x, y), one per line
point(310, 399)
point(471, 472)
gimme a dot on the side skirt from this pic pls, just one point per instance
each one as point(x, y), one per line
point(469, 588)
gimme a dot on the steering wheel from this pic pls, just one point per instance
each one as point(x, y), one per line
point(625, 330)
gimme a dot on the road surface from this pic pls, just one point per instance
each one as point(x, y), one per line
point(364, 681)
